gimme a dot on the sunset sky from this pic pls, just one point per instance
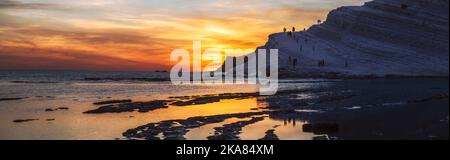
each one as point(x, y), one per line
point(138, 35)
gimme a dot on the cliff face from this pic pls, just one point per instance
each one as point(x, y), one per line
point(382, 37)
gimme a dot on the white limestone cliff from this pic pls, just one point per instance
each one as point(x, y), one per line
point(380, 38)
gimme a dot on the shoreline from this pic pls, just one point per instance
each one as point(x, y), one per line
point(291, 75)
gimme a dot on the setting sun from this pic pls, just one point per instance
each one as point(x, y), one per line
point(137, 35)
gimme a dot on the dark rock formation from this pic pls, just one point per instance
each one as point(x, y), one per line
point(231, 131)
point(113, 102)
point(176, 129)
point(24, 120)
point(55, 109)
point(130, 107)
point(270, 135)
point(128, 79)
point(205, 99)
point(10, 99)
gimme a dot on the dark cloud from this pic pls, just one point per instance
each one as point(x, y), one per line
point(96, 37)
point(92, 37)
point(12, 4)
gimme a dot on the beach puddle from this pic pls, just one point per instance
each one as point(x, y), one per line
point(284, 129)
point(229, 106)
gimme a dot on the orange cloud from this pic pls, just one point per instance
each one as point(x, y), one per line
point(118, 41)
